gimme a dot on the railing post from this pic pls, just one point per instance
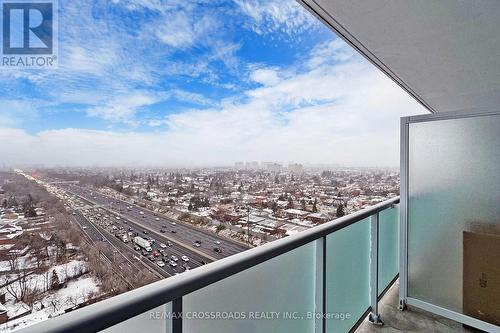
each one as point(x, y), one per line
point(374, 317)
point(177, 315)
point(320, 301)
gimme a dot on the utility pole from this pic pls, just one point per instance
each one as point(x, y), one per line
point(248, 226)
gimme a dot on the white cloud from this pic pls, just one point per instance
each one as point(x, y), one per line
point(343, 111)
point(123, 108)
point(265, 76)
point(276, 15)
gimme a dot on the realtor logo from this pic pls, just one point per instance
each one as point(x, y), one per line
point(28, 33)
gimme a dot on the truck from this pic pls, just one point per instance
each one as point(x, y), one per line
point(143, 243)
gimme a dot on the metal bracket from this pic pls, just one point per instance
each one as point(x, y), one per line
point(402, 305)
point(375, 319)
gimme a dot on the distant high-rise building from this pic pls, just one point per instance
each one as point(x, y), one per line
point(253, 165)
point(296, 168)
point(272, 166)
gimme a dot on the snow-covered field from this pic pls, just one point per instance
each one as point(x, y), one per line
point(78, 289)
point(76, 292)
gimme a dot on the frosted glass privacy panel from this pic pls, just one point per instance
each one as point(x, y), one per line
point(454, 183)
point(347, 276)
point(154, 321)
point(388, 242)
point(264, 294)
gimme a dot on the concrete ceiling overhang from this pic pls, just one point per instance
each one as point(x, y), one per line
point(445, 53)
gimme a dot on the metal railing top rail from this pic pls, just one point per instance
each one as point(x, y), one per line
point(112, 311)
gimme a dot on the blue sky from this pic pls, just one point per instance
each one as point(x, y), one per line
point(146, 82)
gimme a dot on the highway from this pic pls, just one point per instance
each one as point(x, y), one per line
point(174, 230)
point(93, 219)
point(125, 261)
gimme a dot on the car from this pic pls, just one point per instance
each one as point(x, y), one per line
point(196, 245)
point(156, 253)
point(117, 217)
point(162, 231)
point(144, 216)
point(151, 240)
point(185, 258)
point(172, 263)
point(84, 227)
point(173, 231)
point(169, 243)
point(174, 258)
point(186, 268)
point(151, 258)
point(217, 242)
point(160, 263)
point(198, 241)
point(144, 253)
point(137, 248)
point(218, 250)
point(173, 223)
point(163, 245)
point(145, 232)
point(162, 252)
point(157, 219)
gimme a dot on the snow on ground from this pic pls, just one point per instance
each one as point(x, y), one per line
point(76, 292)
point(22, 263)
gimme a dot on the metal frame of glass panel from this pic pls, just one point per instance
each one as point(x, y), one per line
point(404, 299)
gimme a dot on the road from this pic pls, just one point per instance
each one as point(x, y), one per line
point(184, 233)
point(113, 249)
point(88, 219)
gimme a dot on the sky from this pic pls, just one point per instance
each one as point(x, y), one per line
point(199, 83)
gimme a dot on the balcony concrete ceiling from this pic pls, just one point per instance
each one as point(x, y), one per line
point(445, 53)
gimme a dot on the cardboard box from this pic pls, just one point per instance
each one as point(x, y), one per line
point(481, 276)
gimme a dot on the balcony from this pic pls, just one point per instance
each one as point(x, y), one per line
point(326, 279)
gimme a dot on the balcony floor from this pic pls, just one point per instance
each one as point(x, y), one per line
point(411, 320)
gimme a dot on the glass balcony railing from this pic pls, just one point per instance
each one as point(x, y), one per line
point(325, 279)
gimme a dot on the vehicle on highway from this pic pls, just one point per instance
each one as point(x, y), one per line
point(160, 263)
point(172, 263)
point(143, 243)
point(174, 258)
point(163, 245)
point(185, 258)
